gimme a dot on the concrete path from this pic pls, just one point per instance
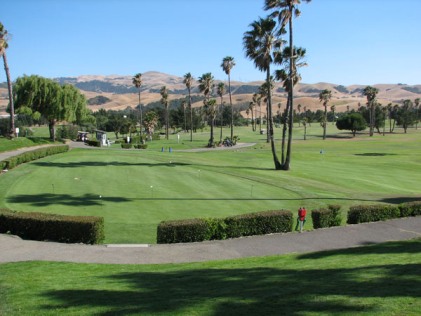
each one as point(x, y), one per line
point(14, 249)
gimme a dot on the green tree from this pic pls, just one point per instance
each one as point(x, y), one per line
point(165, 103)
point(260, 43)
point(406, 115)
point(188, 81)
point(220, 90)
point(352, 121)
point(206, 85)
point(4, 38)
point(325, 97)
point(150, 122)
point(56, 103)
point(137, 82)
point(371, 93)
point(227, 64)
point(284, 10)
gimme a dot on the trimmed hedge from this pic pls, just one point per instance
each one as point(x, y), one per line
point(190, 230)
point(141, 146)
point(372, 213)
point(93, 143)
point(326, 217)
point(28, 156)
point(126, 145)
point(194, 230)
point(410, 209)
point(51, 227)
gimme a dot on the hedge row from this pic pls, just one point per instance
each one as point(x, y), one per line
point(373, 213)
point(60, 228)
point(194, 230)
point(93, 143)
point(326, 217)
point(28, 156)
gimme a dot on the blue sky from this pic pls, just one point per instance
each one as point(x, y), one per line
point(347, 41)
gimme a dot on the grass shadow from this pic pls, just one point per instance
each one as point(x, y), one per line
point(105, 164)
point(400, 199)
point(46, 199)
point(248, 291)
point(375, 154)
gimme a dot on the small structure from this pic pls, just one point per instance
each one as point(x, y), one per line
point(101, 136)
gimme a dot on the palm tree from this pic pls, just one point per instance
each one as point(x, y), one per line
point(188, 81)
point(251, 109)
point(206, 86)
point(220, 91)
point(257, 99)
point(227, 64)
point(371, 93)
point(4, 36)
point(164, 101)
point(325, 97)
point(417, 110)
point(137, 82)
point(333, 109)
point(299, 113)
point(260, 42)
point(284, 10)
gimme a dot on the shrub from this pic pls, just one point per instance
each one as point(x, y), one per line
point(126, 145)
point(372, 213)
point(410, 209)
point(28, 156)
point(140, 146)
point(93, 142)
point(190, 230)
point(51, 227)
point(67, 132)
point(326, 217)
point(259, 223)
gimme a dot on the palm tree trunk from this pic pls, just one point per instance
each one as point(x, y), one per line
point(221, 117)
point(286, 165)
point(270, 131)
point(191, 117)
point(325, 123)
point(232, 109)
point(141, 118)
point(9, 89)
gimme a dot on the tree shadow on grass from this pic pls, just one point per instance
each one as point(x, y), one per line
point(105, 164)
point(375, 154)
point(400, 199)
point(64, 199)
point(250, 291)
point(398, 247)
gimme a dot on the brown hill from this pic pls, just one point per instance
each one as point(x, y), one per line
point(120, 90)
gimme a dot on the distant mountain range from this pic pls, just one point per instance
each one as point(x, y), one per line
point(120, 93)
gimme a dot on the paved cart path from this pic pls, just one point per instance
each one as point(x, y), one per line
point(14, 249)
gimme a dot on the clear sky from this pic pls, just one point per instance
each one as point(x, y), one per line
point(347, 41)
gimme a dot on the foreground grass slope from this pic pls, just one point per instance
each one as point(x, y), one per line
point(135, 190)
point(383, 279)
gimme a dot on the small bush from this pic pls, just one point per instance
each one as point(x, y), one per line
point(410, 209)
point(28, 156)
point(191, 230)
point(259, 223)
point(326, 217)
point(50, 227)
point(372, 213)
point(140, 146)
point(126, 145)
point(93, 143)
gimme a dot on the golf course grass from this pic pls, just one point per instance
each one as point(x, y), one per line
point(381, 279)
point(136, 189)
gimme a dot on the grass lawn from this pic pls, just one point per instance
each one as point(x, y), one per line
point(382, 279)
point(136, 189)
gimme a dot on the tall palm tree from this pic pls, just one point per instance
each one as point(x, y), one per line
point(299, 113)
point(206, 85)
point(371, 93)
point(4, 37)
point(417, 110)
point(260, 42)
point(165, 102)
point(257, 99)
point(227, 64)
point(188, 81)
point(333, 109)
point(325, 97)
point(251, 109)
point(137, 82)
point(284, 10)
point(220, 90)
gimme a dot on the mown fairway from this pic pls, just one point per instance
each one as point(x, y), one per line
point(375, 280)
point(135, 190)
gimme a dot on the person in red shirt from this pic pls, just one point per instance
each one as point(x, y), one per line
point(301, 218)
